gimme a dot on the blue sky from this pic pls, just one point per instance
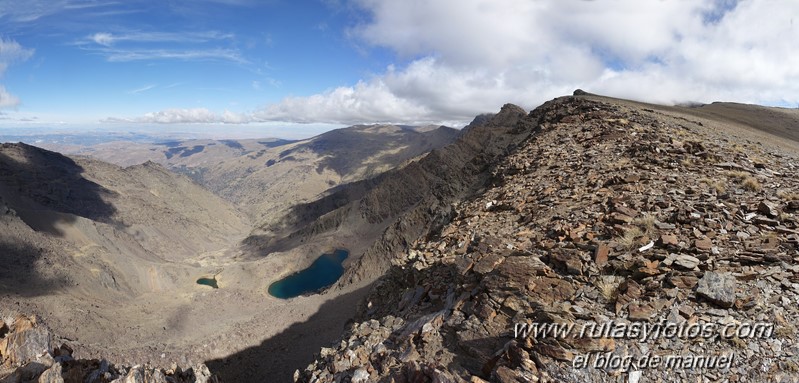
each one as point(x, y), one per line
point(87, 61)
point(240, 64)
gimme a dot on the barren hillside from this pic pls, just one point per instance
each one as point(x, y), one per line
point(610, 214)
point(267, 176)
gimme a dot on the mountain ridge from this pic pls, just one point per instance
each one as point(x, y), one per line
point(610, 212)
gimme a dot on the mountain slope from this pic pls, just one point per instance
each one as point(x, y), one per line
point(92, 243)
point(270, 181)
point(264, 177)
point(381, 216)
point(119, 249)
point(611, 212)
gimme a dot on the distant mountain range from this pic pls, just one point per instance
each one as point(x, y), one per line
point(266, 176)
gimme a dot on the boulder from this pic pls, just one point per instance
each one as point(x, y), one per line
point(52, 375)
point(718, 288)
point(686, 261)
point(26, 343)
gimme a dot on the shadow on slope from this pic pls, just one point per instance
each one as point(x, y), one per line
point(346, 150)
point(45, 191)
point(40, 180)
point(276, 359)
point(19, 275)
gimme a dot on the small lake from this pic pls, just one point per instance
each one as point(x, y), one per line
point(324, 272)
point(208, 282)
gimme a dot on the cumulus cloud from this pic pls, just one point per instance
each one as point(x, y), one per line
point(366, 101)
point(462, 57)
point(171, 116)
point(458, 58)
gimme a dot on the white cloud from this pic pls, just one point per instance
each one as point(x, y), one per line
point(186, 116)
point(155, 45)
point(463, 57)
point(458, 58)
point(124, 55)
point(142, 89)
point(103, 38)
point(7, 100)
point(170, 116)
point(10, 52)
point(109, 39)
point(366, 101)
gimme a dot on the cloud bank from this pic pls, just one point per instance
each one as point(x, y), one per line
point(457, 58)
point(173, 116)
point(463, 57)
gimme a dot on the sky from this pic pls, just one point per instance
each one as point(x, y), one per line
point(311, 65)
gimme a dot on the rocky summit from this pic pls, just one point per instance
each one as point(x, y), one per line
point(619, 242)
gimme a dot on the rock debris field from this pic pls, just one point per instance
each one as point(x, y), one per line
point(608, 215)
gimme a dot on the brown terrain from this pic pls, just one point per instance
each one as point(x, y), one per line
point(110, 255)
point(609, 212)
point(266, 177)
point(586, 210)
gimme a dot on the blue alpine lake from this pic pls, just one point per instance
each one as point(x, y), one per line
point(323, 272)
point(208, 282)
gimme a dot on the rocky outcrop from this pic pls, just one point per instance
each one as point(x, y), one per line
point(28, 354)
point(608, 217)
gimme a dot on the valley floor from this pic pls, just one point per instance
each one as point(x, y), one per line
point(238, 330)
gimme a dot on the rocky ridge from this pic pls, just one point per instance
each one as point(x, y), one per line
point(28, 353)
point(608, 214)
point(381, 216)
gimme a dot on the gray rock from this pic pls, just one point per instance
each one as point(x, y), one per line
point(718, 288)
point(25, 346)
point(686, 261)
point(360, 376)
point(26, 373)
point(138, 374)
point(202, 374)
point(52, 375)
point(767, 209)
point(96, 374)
